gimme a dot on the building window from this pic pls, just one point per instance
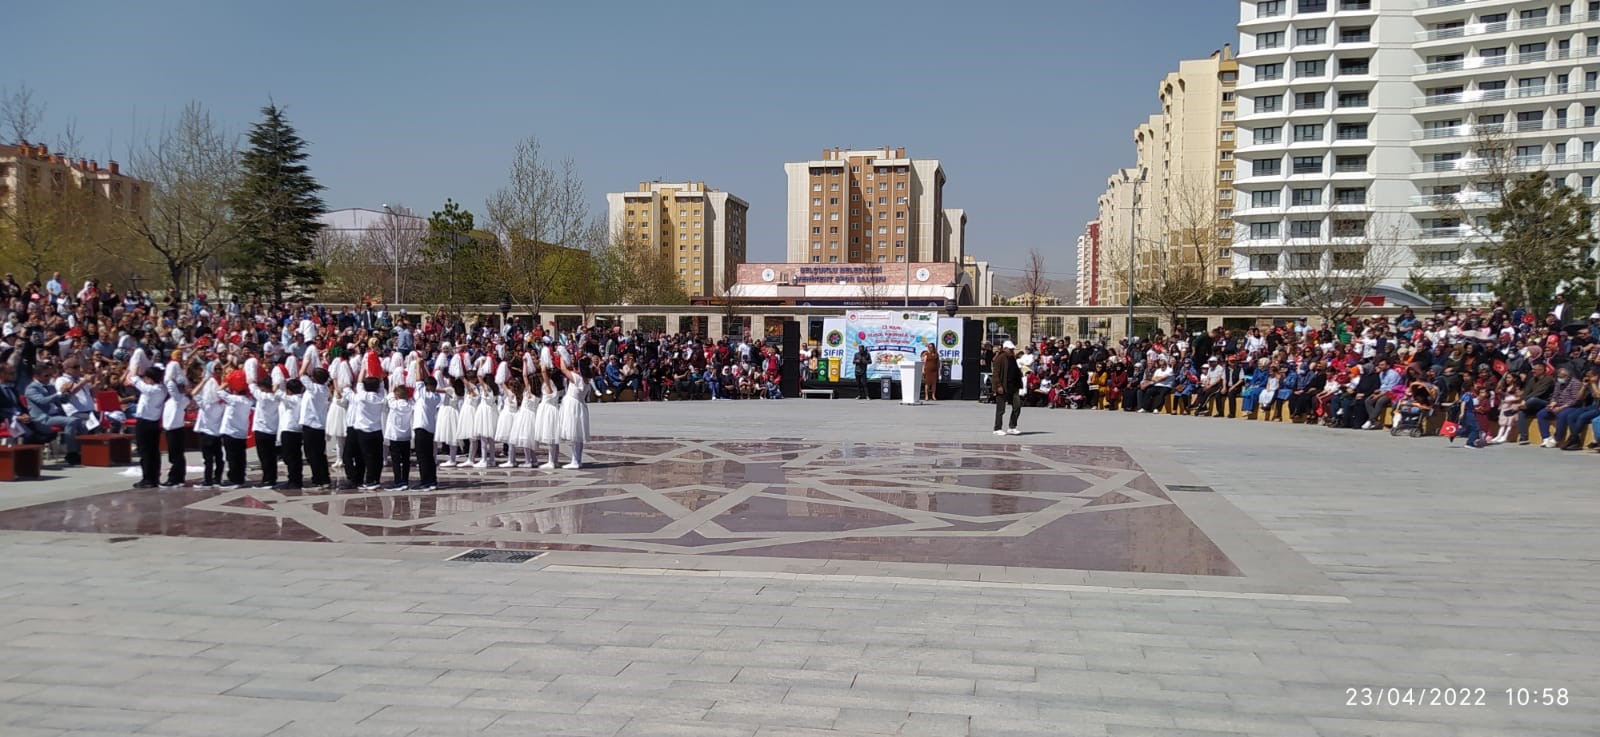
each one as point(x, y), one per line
point(1310, 36)
point(1264, 262)
point(1307, 165)
point(833, 245)
point(815, 230)
point(1359, 35)
point(1269, 103)
point(1350, 196)
point(1269, 9)
point(816, 188)
point(1266, 167)
point(1269, 40)
point(1354, 163)
point(1352, 131)
point(1227, 135)
point(1263, 230)
point(1269, 72)
point(1227, 156)
point(1309, 132)
point(1349, 229)
point(833, 187)
point(1309, 100)
point(816, 245)
point(1314, 68)
point(816, 216)
point(1306, 197)
point(1352, 99)
point(1354, 66)
point(1304, 260)
point(833, 216)
point(1311, 6)
point(1227, 97)
point(1305, 228)
point(1264, 198)
point(900, 214)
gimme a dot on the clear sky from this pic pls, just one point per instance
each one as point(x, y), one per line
point(1028, 105)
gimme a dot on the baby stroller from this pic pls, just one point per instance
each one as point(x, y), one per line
point(1413, 409)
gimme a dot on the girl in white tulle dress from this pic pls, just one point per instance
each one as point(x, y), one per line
point(575, 408)
point(510, 400)
point(446, 427)
point(467, 421)
point(341, 378)
point(547, 419)
point(524, 442)
point(483, 424)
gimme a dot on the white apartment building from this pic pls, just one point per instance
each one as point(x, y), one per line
point(1369, 121)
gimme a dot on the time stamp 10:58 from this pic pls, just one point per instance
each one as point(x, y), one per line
point(1448, 696)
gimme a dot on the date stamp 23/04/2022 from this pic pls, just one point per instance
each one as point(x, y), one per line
point(1542, 696)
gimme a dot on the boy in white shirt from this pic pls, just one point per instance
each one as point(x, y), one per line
point(425, 421)
point(314, 426)
point(397, 431)
point(366, 430)
point(265, 429)
point(289, 437)
point(208, 425)
point(235, 428)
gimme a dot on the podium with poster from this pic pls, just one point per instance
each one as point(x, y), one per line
point(890, 337)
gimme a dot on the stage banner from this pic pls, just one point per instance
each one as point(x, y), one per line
point(950, 331)
point(833, 355)
point(889, 336)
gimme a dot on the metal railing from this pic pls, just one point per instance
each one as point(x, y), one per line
point(1513, 24)
point(1480, 95)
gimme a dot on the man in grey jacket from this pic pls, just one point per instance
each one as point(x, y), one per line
point(48, 408)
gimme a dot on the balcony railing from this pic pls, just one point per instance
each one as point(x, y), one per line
point(1514, 24)
point(1459, 198)
point(1450, 231)
point(1521, 126)
point(1457, 98)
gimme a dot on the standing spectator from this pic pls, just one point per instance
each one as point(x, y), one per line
point(1007, 386)
point(863, 359)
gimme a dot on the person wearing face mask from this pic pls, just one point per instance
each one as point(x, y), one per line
point(1563, 399)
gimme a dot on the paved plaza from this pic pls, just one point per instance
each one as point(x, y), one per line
point(813, 568)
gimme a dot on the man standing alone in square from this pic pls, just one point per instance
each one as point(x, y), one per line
point(1006, 383)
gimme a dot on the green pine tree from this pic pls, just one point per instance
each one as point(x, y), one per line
point(278, 205)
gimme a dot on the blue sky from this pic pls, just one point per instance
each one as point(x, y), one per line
point(1029, 105)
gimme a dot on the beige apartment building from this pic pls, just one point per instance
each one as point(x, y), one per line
point(28, 170)
point(702, 231)
point(1174, 208)
point(871, 206)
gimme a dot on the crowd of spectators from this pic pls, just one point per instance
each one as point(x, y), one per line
point(1490, 373)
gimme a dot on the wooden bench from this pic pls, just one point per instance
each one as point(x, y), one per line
point(21, 461)
point(824, 393)
point(106, 449)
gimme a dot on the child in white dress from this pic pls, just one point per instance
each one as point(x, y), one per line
point(522, 430)
point(483, 424)
point(575, 408)
point(547, 420)
point(449, 416)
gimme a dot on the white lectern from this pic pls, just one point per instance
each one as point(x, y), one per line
point(910, 382)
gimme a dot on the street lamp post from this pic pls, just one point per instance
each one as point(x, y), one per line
point(394, 247)
point(505, 312)
point(1133, 234)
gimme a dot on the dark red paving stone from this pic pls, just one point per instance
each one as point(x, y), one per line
point(967, 505)
point(957, 480)
point(1146, 540)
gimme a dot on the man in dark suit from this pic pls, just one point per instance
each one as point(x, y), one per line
point(1006, 383)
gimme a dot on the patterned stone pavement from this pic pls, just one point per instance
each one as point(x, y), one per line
point(1103, 575)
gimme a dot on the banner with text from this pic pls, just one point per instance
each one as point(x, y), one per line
point(890, 336)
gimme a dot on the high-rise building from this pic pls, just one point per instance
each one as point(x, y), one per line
point(701, 231)
point(871, 206)
point(1375, 133)
point(1179, 226)
point(1089, 264)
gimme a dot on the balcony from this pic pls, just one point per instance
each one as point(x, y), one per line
point(1514, 24)
point(1448, 231)
point(1520, 93)
point(1521, 126)
point(1459, 198)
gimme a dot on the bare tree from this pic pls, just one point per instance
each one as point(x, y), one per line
point(1344, 275)
point(1462, 197)
point(19, 113)
point(1182, 275)
point(352, 272)
point(1036, 287)
point(192, 168)
point(540, 211)
point(875, 294)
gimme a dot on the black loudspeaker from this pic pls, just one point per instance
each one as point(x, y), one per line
point(971, 343)
point(789, 373)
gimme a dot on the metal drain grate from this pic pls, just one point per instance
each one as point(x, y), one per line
point(1188, 487)
point(485, 555)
